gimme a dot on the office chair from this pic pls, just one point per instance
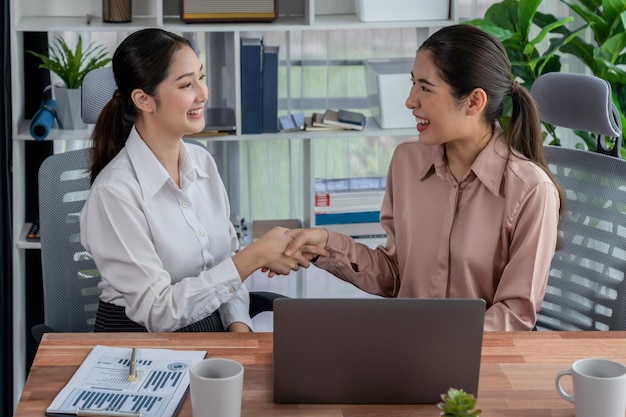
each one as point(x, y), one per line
point(70, 276)
point(587, 285)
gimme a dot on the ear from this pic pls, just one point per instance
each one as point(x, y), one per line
point(144, 102)
point(475, 102)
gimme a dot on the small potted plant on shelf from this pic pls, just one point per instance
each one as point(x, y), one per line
point(458, 403)
point(71, 66)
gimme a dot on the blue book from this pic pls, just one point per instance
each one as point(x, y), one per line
point(251, 85)
point(270, 89)
point(343, 218)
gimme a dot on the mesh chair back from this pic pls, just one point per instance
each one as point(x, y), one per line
point(586, 288)
point(70, 277)
point(581, 102)
point(97, 89)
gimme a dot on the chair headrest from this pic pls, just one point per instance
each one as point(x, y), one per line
point(577, 101)
point(97, 89)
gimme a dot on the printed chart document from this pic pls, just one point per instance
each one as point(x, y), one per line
point(101, 383)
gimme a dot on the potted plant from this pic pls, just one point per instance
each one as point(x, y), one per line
point(458, 403)
point(71, 66)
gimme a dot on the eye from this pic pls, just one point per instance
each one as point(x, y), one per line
point(425, 89)
point(202, 77)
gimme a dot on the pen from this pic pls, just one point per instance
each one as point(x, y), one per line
point(132, 374)
point(87, 413)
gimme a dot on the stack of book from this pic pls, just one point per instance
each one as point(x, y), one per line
point(259, 86)
point(336, 120)
point(350, 206)
point(315, 123)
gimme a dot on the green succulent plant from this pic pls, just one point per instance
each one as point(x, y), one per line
point(72, 65)
point(458, 403)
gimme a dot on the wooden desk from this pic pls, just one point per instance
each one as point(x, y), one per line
point(516, 379)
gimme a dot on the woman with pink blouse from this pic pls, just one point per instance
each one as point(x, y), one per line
point(470, 210)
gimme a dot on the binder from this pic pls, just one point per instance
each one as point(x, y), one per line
point(251, 85)
point(270, 89)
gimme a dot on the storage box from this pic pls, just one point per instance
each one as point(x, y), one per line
point(388, 83)
point(394, 10)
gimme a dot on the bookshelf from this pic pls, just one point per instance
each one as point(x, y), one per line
point(84, 17)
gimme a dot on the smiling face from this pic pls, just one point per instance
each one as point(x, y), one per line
point(440, 117)
point(180, 98)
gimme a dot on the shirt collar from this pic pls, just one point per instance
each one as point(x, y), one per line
point(492, 161)
point(488, 167)
point(151, 175)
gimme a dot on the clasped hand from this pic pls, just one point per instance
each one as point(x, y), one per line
point(290, 249)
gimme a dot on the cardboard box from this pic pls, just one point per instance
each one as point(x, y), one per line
point(388, 83)
point(395, 10)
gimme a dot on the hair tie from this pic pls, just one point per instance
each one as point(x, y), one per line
point(515, 87)
point(117, 95)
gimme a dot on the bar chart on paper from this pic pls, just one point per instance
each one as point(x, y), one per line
point(101, 384)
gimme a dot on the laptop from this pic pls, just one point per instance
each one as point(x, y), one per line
point(375, 350)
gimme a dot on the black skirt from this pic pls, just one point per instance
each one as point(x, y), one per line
point(112, 318)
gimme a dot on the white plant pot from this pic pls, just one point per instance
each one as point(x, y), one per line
point(68, 107)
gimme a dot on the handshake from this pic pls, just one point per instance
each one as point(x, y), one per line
point(283, 250)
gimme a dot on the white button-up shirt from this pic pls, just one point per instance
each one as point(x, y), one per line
point(164, 252)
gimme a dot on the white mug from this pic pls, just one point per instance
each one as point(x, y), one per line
point(216, 387)
point(599, 387)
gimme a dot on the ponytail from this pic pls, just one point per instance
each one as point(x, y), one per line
point(525, 136)
point(524, 130)
point(110, 132)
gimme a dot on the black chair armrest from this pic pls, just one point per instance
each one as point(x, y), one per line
point(38, 330)
point(262, 301)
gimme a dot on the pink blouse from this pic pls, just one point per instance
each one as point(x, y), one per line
point(491, 236)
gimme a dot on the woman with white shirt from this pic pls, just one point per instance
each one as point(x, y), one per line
point(470, 210)
point(156, 220)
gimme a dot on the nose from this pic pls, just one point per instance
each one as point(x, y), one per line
point(412, 101)
point(203, 91)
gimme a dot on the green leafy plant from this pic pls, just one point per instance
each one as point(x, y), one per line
point(72, 65)
point(458, 403)
point(606, 20)
point(511, 22)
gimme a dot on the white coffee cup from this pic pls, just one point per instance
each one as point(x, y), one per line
point(216, 387)
point(599, 387)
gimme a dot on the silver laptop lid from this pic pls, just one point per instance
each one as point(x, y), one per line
point(375, 351)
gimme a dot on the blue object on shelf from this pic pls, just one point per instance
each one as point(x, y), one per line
point(251, 85)
point(43, 119)
point(344, 218)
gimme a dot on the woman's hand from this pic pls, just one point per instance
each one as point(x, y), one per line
point(307, 244)
point(310, 242)
point(268, 253)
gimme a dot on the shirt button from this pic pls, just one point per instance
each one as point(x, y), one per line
point(201, 233)
point(209, 265)
point(185, 204)
point(232, 290)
